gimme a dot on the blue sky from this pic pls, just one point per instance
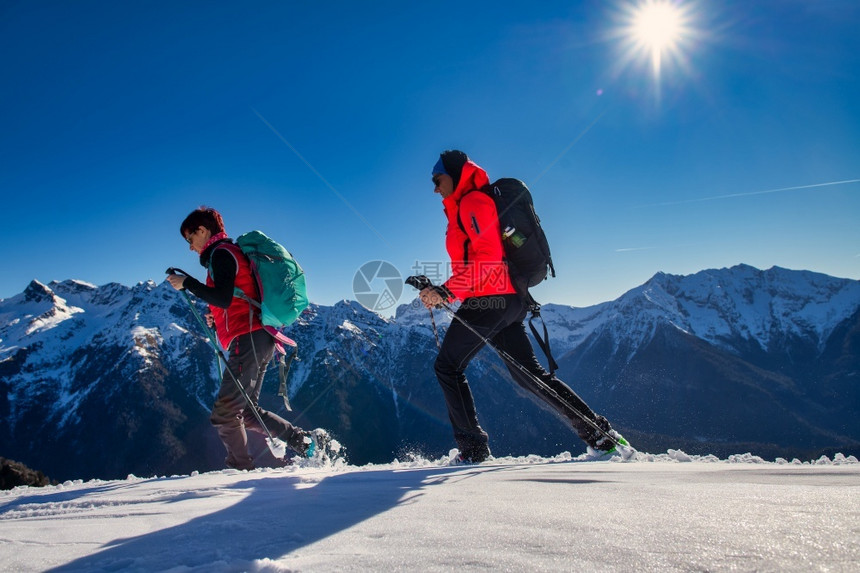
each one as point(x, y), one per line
point(318, 123)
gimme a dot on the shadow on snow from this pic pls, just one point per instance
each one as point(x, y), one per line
point(280, 515)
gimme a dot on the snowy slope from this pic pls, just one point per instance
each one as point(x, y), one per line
point(670, 512)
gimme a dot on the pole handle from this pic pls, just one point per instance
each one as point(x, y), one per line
point(419, 282)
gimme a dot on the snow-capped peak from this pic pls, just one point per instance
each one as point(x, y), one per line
point(720, 306)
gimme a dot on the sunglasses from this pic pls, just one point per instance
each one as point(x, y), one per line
point(436, 179)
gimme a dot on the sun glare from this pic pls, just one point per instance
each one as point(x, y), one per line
point(657, 26)
point(655, 30)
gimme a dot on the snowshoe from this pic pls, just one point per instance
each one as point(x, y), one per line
point(320, 448)
point(622, 449)
point(320, 441)
point(302, 443)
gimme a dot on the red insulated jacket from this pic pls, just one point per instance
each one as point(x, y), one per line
point(476, 254)
point(240, 317)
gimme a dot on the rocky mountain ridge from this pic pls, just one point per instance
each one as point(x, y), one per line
point(106, 381)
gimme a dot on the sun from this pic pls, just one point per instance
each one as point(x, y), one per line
point(657, 26)
point(656, 29)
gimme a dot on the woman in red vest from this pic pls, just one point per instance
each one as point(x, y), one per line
point(250, 348)
point(494, 312)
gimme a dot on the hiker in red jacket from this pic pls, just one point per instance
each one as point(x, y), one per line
point(239, 330)
point(494, 312)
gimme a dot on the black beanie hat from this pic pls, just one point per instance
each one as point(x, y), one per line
point(454, 160)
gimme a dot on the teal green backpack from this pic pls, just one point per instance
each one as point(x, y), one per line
point(280, 279)
point(283, 294)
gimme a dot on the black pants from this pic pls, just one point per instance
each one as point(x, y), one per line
point(499, 319)
point(249, 356)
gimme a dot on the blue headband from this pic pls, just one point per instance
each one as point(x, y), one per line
point(439, 168)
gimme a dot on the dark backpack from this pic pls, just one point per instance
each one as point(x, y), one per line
point(526, 247)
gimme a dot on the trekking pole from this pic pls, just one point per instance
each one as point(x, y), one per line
point(435, 331)
point(421, 282)
point(277, 447)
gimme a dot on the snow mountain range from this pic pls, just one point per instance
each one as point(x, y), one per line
point(111, 380)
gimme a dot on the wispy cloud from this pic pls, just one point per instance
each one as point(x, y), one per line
point(751, 193)
point(633, 249)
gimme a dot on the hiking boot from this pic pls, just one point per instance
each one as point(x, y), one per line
point(597, 440)
point(473, 445)
point(235, 464)
point(474, 455)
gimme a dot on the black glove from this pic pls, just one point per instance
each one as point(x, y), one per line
point(419, 282)
point(443, 291)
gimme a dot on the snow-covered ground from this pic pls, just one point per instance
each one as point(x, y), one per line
point(668, 512)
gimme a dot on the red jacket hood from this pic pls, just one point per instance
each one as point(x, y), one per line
point(471, 177)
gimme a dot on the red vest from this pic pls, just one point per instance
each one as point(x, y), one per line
point(241, 317)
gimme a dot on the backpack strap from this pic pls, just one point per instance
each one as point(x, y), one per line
point(534, 307)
